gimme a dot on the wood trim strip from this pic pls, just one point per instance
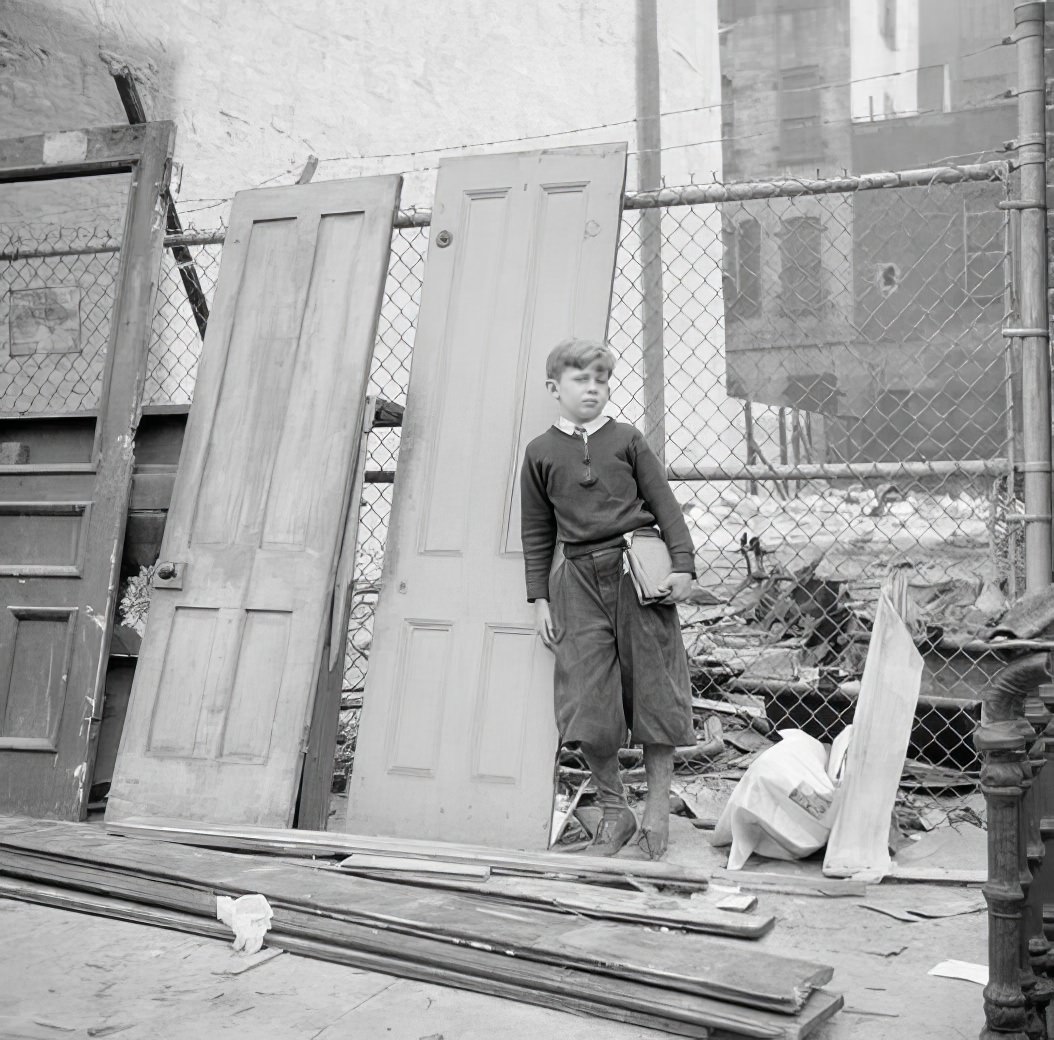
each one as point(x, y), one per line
point(78, 153)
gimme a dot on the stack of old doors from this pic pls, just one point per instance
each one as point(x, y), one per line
point(457, 738)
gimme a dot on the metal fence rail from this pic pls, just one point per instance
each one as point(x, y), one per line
point(838, 399)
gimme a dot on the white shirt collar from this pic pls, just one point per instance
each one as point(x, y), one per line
point(590, 427)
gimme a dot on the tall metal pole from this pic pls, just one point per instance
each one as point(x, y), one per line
point(649, 178)
point(1032, 292)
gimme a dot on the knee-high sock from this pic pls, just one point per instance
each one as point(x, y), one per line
point(604, 767)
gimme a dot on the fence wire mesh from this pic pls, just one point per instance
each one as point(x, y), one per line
point(56, 296)
point(838, 403)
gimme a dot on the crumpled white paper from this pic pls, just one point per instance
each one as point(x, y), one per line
point(249, 917)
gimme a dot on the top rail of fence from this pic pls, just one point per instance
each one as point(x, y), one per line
point(665, 198)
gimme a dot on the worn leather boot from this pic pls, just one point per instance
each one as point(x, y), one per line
point(617, 827)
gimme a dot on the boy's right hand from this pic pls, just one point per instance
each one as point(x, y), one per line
point(543, 623)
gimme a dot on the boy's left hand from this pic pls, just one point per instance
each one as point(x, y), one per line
point(679, 586)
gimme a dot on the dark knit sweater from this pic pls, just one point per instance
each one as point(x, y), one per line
point(631, 491)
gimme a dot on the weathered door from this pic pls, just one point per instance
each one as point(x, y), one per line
point(62, 524)
point(219, 708)
point(457, 739)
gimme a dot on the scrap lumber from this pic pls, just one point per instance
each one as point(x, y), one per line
point(586, 901)
point(863, 804)
point(188, 879)
point(366, 863)
point(327, 843)
point(467, 968)
point(789, 884)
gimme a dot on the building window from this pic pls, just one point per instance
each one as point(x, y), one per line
point(742, 274)
point(983, 251)
point(801, 266)
point(800, 137)
point(887, 22)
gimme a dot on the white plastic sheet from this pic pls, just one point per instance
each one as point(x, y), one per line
point(781, 807)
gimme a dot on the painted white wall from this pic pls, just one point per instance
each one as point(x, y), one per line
point(883, 77)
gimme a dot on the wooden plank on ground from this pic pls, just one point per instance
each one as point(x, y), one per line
point(690, 963)
point(609, 904)
point(365, 862)
point(330, 843)
point(885, 710)
point(936, 875)
point(789, 884)
point(457, 738)
point(226, 675)
point(466, 968)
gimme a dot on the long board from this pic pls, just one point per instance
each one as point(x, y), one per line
point(332, 843)
point(475, 970)
point(690, 963)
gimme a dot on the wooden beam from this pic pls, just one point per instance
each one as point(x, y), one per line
point(188, 271)
point(75, 153)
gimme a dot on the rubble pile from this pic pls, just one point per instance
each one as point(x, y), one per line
point(847, 539)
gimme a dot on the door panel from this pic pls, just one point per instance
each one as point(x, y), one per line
point(457, 739)
point(217, 720)
point(62, 523)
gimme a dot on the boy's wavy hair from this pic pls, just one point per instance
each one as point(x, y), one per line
point(578, 353)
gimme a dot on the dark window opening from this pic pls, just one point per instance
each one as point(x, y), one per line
point(801, 266)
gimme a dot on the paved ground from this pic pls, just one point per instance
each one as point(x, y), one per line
point(67, 976)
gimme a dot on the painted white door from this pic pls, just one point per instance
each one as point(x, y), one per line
point(457, 739)
point(223, 686)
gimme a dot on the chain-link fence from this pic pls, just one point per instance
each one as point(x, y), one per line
point(838, 403)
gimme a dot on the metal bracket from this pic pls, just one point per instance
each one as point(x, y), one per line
point(1026, 333)
point(168, 575)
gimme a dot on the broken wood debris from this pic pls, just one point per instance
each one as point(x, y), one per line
point(790, 884)
point(687, 984)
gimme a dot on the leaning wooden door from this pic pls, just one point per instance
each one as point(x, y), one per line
point(457, 739)
point(62, 524)
point(220, 704)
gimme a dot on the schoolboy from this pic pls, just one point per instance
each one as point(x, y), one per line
point(587, 482)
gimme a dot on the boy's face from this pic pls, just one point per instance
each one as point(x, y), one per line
point(581, 392)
